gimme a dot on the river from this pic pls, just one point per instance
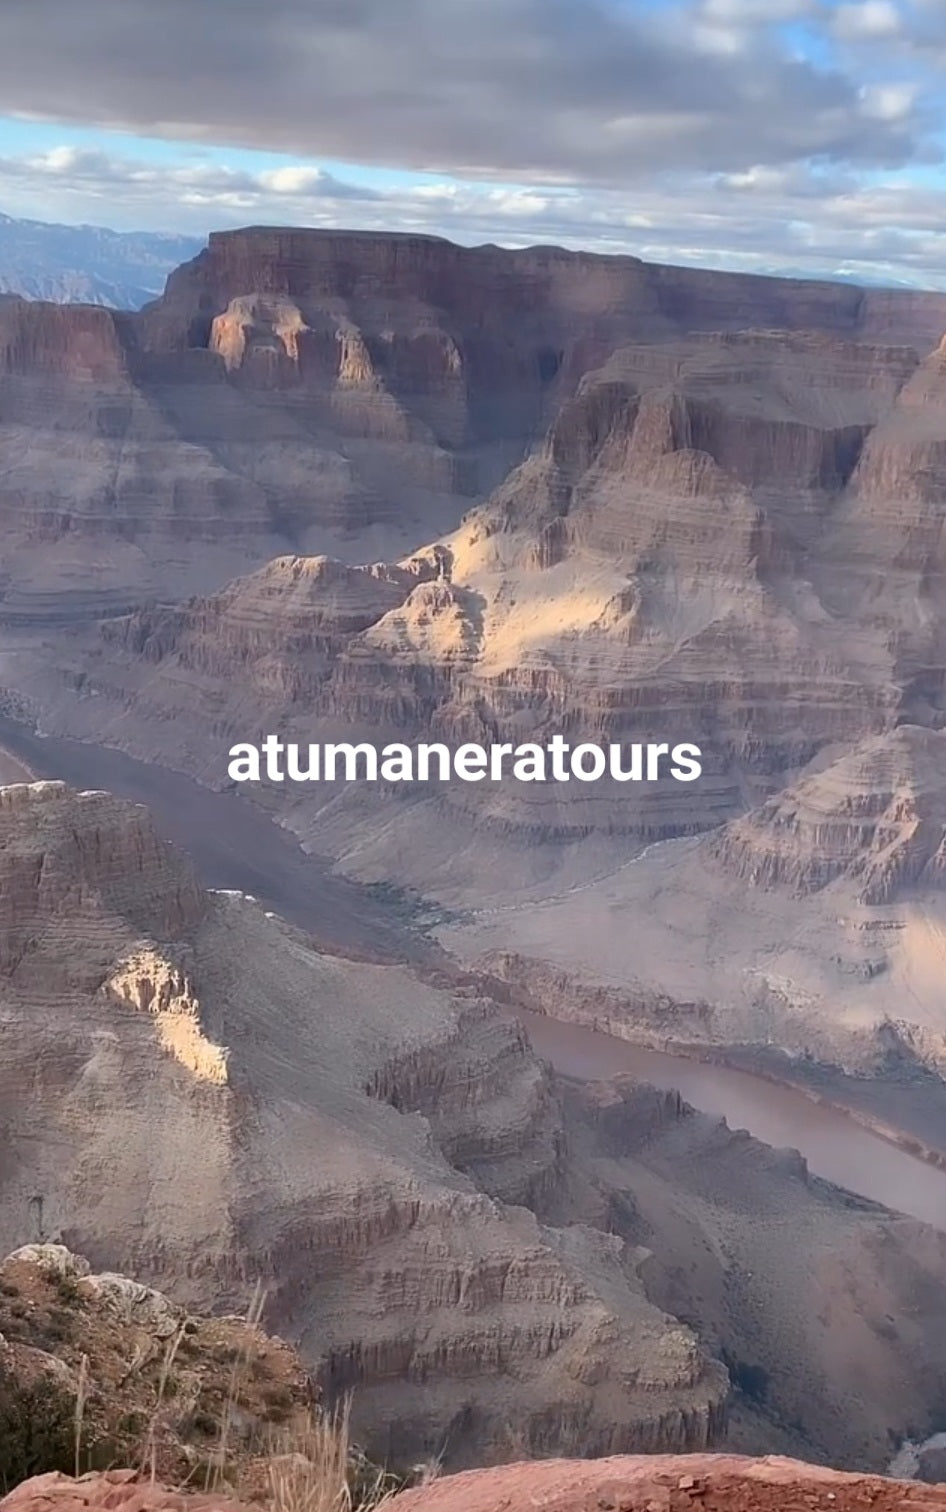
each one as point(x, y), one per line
point(233, 844)
point(835, 1146)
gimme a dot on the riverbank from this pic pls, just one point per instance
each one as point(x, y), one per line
point(751, 1062)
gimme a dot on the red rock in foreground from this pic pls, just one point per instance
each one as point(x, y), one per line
point(665, 1483)
point(116, 1491)
point(635, 1483)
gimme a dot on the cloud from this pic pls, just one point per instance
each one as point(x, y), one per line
point(785, 218)
point(889, 102)
point(556, 91)
point(757, 12)
point(868, 19)
point(765, 134)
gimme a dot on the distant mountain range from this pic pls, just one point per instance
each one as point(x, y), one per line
point(88, 264)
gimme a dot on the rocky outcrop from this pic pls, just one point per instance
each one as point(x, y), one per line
point(718, 1483)
point(97, 1370)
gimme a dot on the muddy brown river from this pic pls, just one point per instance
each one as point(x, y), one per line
point(234, 845)
point(835, 1146)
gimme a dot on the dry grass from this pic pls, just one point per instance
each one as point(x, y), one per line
point(310, 1471)
point(306, 1465)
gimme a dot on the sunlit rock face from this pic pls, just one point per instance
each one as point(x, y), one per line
point(340, 392)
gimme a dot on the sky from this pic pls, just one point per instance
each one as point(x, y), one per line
point(795, 136)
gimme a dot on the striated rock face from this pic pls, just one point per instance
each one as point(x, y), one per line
point(73, 889)
point(875, 817)
point(344, 1152)
point(713, 516)
point(718, 1483)
point(715, 1211)
point(485, 1259)
point(312, 391)
point(643, 575)
point(72, 343)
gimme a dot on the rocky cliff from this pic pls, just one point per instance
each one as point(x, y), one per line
point(194, 1095)
point(191, 1094)
point(313, 391)
point(647, 573)
point(717, 517)
point(874, 817)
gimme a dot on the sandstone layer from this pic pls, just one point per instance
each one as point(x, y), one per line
point(312, 391)
point(716, 1483)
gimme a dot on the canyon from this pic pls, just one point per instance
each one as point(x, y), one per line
point(485, 495)
point(437, 1220)
point(369, 487)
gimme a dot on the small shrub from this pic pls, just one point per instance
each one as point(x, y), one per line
point(67, 1290)
point(36, 1430)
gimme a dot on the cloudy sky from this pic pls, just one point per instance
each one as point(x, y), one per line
point(787, 135)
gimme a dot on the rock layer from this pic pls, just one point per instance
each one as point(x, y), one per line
point(319, 1165)
point(309, 390)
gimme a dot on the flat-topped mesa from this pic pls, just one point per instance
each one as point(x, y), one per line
point(876, 817)
point(474, 343)
point(351, 392)
point(362, 266)
point(309, 263)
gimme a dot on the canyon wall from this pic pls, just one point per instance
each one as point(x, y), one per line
point(494, 1264)
point(326, 391)
point(198, 1098)
point(360, 487)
